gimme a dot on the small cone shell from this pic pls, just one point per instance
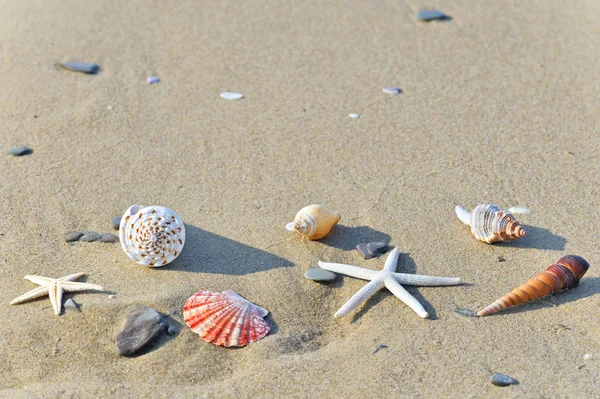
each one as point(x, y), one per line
point(314, 221)
point(563, 275)
point(489, 224)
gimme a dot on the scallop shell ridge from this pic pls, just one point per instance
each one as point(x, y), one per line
point(151, 236)
point(563, 275)
point(225, 319)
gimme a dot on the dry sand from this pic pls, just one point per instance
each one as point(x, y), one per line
point(499, 105)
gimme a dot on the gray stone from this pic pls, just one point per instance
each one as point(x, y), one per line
point(72, 305)
point(392, 90)
point(19, 151)
point(115, 223)
point(318, 274)
point(143, 324)
point(90, 236)
point(430, 15)
point(502, 380)
point(84, 67)
point(465, 312)
point(107, 237)
point(372, 249)
point(74, 236)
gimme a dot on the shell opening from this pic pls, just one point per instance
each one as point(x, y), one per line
point(290, 226)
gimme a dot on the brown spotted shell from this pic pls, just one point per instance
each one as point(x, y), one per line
point(563, 275)
point(152, 236)
point(490, 224)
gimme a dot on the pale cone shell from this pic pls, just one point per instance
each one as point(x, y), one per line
point(314, 221)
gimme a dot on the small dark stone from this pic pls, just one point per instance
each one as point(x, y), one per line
point(90, 236)
point(74, 236)
point(172, 329)
point(143, 324)
point(501, 259)
point(318, 274)
point(115, 223)
point(84, 67)
point(107, 237)
point(20, 151)
point(430, 15)
point(379, 347)
point(372, 249)
point(71, 304)
point(502, 380)
point(465, 312)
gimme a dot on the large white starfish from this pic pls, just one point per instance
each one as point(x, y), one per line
point(388, 278)
point(54, 287)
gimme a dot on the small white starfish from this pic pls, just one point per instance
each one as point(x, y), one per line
point(390, 279)
point(54, 287)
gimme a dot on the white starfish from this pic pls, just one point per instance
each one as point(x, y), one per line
point(54, 287)
point(390, 279)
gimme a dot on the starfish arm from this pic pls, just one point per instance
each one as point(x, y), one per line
point(72, 277)
point(71, 286)
point(423, 281)
point(405, 297)
point(362, 295)
point(55, 295)
point(39, 280)
point(348, 270)
point(391, 261)
point(35, 293)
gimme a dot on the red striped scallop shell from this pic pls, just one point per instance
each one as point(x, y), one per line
point(225, 319)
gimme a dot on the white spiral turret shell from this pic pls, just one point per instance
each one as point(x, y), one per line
point(152, 236)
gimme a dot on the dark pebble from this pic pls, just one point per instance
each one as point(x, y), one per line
point(84, 67)
point(502, 380)
point(74, 236)
point(71, 304)
point(143, 324)
point(372, 249)
point(465, 312)
point(107, 237)
point(90, 236)
point(115, 223)
point(318, 274)
point(19, 151)
point(501, 259)
point(430, 15)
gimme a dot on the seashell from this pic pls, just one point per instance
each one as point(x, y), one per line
point(490, 224)
point(314, 221)
point(563, 275)
point(225, 319)
point(152, 236)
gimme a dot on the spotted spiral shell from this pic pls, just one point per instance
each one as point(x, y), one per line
point(489, 224)
point(152, 236)
point(563, 275)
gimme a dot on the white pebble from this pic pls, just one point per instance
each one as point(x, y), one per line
point(231, 96)
point(153, 80)
point(587, 356)
point(392, 90)
point(518, 210)
point(354, 116)
point(109, 107)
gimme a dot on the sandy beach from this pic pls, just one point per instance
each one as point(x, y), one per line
point(499, 105)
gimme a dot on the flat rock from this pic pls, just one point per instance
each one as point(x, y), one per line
point(20, 151)
point(74, 236)
point(107, 237)
point(320, 275)
point(372, 249)
point(115, 223)
point(503, 380)
point(83, 67)
point(90, 236)
point(431, 15)
point(143, 324)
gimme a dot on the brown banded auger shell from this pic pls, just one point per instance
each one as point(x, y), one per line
point(563, 275)
point(489, 224)
point(314, 221)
